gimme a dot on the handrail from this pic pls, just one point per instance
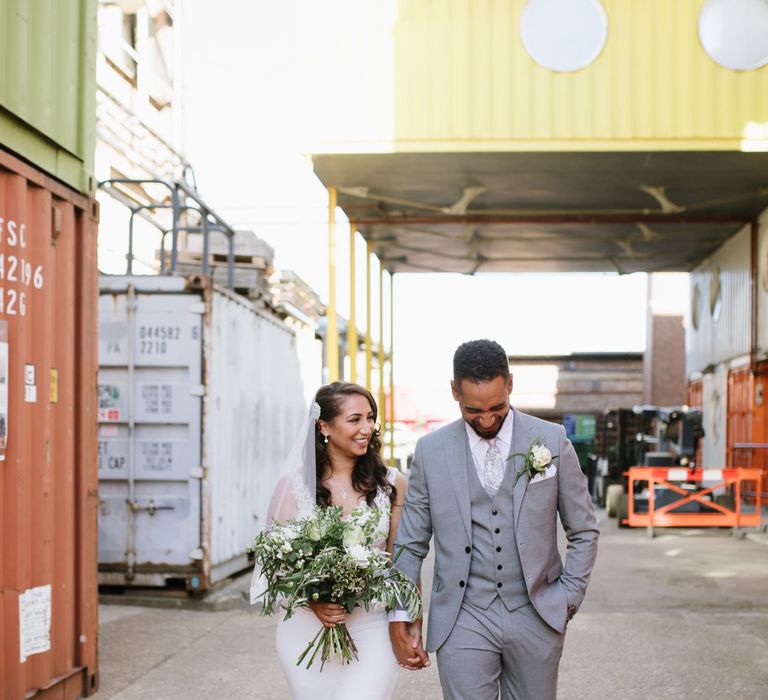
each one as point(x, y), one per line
point(180, 193)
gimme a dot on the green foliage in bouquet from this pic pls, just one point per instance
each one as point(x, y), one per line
point(330, 559)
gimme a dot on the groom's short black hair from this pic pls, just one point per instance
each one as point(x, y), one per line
point(479, 361)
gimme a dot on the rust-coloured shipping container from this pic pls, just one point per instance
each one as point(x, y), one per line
point(747, 421)
point(740, 412)
point(48, 445)
point(760, 423)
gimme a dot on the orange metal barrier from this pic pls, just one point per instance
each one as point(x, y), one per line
point(729, 483)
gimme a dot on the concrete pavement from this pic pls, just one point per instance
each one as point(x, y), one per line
point(680, 616)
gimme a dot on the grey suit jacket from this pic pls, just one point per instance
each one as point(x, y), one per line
point(438, 503)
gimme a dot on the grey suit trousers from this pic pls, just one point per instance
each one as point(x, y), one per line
point(493, 648)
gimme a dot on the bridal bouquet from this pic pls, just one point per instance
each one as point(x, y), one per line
point(331, 559)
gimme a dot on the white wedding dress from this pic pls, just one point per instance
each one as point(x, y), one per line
point(374, 673)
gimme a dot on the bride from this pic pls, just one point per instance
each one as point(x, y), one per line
point(337, 463)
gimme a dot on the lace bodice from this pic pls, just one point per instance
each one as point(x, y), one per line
point(305, 503)
point(384, 506)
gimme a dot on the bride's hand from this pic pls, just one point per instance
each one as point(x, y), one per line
point(330, 614)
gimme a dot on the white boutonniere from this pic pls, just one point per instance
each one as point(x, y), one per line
point(536, 460)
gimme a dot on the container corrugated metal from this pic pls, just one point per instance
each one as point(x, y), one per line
point(463, 81)
point(747, 420)
point(721, 321)
point(200, 397)
point(714, 417)
point(760, 425)
point(762, 286)
point(48, 86)
point(740, 414)
point(48, 474)
point(255, 406)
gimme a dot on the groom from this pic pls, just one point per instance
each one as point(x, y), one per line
point(501, 597)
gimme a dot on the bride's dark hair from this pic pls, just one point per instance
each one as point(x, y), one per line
point(369, 473)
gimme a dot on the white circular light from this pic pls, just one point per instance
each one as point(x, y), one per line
point(734, 33)
point(564, 35)
point(696, 307)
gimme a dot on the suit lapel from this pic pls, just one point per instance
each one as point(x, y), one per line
point(521, 441)
point(456, 448)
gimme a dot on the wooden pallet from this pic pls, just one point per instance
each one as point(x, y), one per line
point(258, 262)
point(246, 277)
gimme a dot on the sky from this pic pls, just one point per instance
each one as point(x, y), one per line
point(255, 92)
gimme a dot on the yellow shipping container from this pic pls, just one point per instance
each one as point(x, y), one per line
point(462, 80)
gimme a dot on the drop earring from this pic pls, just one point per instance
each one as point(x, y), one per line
point(325, 439)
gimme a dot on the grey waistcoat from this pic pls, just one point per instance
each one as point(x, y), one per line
point(495, 565)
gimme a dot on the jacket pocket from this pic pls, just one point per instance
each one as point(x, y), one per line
point(554, 572)
point(549, 482)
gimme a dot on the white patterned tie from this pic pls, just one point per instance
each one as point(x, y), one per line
point(493, 469)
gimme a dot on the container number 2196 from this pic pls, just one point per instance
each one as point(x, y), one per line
point(14, 269)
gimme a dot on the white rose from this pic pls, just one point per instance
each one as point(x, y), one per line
point(314, 532)
point(353, 535)
point(359, 554)
point(541, 456)
point(290, 532)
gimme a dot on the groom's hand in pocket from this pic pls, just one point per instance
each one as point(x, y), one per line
point(407, 645)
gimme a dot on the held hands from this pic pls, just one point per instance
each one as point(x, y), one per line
point(330, 614)
point(407, 645)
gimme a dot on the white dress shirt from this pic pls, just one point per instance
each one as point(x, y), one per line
point(478, 446)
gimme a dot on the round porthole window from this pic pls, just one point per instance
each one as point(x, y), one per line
point(696, 307)
point(564, 35)
point(734, 33)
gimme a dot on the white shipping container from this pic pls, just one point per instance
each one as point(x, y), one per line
point(200, 397)
point(762, 287)
point(720, 327)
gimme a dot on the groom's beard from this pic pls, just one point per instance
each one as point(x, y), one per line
point(488, 433)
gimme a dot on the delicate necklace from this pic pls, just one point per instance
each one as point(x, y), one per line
point(343, 492)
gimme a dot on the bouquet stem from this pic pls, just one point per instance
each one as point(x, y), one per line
point(332, 641)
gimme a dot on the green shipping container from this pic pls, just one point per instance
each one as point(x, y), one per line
point(48, 86)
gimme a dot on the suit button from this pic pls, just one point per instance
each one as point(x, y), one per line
point(467, 549)
point(494, 512)
point(498, 549)
point(499, 585)
point(462, 584)
point(499, 567)
point(497, 531)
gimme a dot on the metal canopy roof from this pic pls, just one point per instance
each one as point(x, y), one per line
point(547, 212)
